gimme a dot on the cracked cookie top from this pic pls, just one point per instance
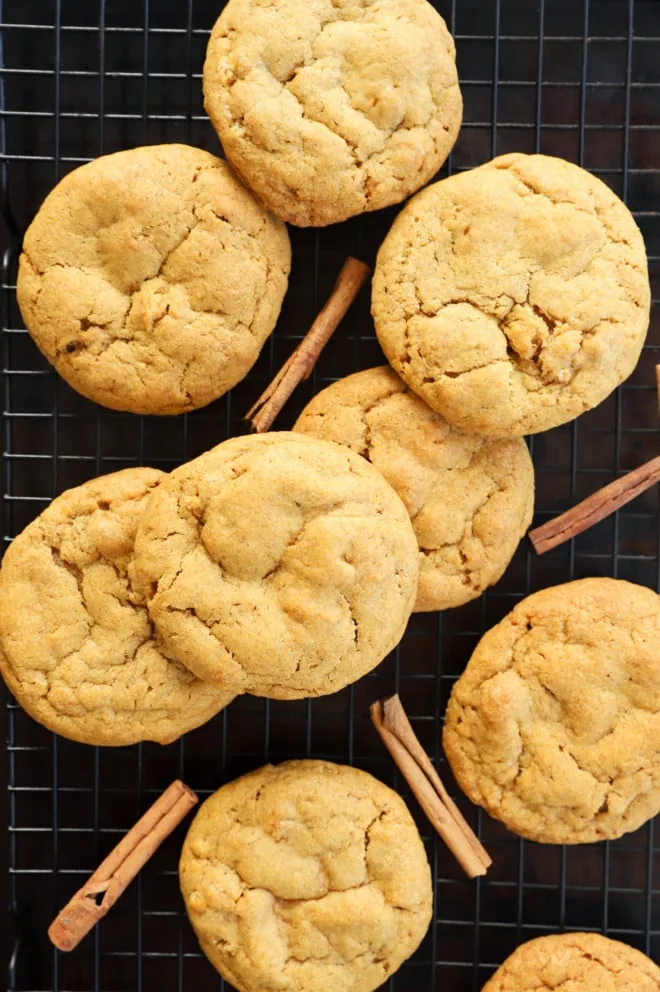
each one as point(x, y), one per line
point(279, 565)
point(330, 109)
point(470, 498)
point(306, 876)
point(581, 962)
point(554, 726)
point(77, 648)
point(513, 297)
point(151, 278)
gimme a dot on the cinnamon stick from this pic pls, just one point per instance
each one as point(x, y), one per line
point(391, 722)
point(596, 507)
point(102, 890)
point(299, 365)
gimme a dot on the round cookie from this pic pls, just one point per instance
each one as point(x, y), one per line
point(332, 109)
point(554, 726)
point(513, 297)
point(151, 278)
point(279, 565)
point(470, 498)
point(77, 649)
point(581, 962)
point(306, 876)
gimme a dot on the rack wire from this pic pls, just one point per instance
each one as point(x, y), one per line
point(79, 78)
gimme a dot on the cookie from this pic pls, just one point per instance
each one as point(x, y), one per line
point(581, 962)
point(332, 109)
point(151, 278)
point(554, 726)
point(306, 876)
point(470, 498)
point(77, 649)
point(514, 297)
point(278, 565)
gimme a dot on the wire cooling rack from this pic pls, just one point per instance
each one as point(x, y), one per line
point(79, 78)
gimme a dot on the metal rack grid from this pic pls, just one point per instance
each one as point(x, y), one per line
point(78, 78)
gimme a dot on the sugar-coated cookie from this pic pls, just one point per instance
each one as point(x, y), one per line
point(581, 962)
point(554, 726)
point(513, 297)
point(279, 565)
point(330, 109)
point(77, 648)
point(470, 498)
point(151, 278)
point(306, 876)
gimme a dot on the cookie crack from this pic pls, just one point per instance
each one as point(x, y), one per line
point(353, 620)
point(364, 413)
point(186, 234)
point(72, 569)
point(597, 212)
point(192, 611)
point(468, 571)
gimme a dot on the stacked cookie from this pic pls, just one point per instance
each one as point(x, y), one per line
point(278, 565)
point(470, 497)
point(139, 604)
point(77, 647)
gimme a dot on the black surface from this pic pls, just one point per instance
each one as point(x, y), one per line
point(567, 77)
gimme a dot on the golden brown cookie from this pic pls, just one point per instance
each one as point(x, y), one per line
point(278, 565)
point(470, 498)
point(306, 876)
point(513, 297)
point(331, 109)
point(579, 962)
point(151, 278)
point(77, 649)
point(554, 726)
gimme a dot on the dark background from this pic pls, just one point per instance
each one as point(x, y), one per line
point(572, 78)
